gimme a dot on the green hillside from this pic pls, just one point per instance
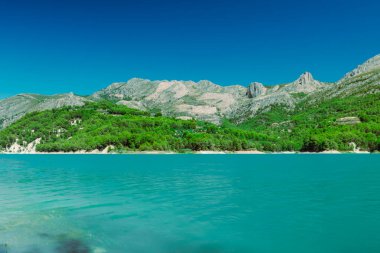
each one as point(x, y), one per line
point(98, 125)
point(319, 127)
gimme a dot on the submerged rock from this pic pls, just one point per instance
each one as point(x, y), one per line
point(72, 246)
point(3, 248)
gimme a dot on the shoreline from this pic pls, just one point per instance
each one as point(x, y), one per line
point(202, 152)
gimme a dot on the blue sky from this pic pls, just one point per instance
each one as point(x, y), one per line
point(82, 46)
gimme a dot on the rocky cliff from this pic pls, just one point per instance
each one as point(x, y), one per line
point(202, 100)
point(205, 100)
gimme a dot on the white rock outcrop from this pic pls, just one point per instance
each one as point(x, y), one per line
point(304, 84)
point(256, 89)
point(25, 148)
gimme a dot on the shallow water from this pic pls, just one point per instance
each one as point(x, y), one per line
point(189, 203)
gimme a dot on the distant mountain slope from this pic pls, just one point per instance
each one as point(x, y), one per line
point(368, 66)
point(341, 116)
point(304, 115)
point(15, 107)
point(205, 100)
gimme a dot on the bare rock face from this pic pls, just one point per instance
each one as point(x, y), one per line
point(26, 148)
point(201, 100)
point(305, 79)
point(256, 89)
point(305, 84)
point(371, 64)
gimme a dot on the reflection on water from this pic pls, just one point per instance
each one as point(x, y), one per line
point(64, 244)
point(3, 248)
point(59, 244)
point(186, 204)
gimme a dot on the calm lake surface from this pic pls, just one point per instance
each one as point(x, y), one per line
point(190, 203)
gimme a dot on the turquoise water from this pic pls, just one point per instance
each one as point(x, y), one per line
point(190, 203)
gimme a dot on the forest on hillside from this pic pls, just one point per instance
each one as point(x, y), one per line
point(98, 125)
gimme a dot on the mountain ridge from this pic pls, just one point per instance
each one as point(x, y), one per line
point(202, 100)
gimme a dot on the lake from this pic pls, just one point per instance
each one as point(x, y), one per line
point(189, 203)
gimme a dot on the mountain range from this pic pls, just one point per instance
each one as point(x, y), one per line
point(204, 100)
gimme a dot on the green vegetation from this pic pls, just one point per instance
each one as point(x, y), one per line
point(314, 128)
point(98, 125)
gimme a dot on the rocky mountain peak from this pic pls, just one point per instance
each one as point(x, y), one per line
point(305, 79)
point(256, 89)
point(305, 84)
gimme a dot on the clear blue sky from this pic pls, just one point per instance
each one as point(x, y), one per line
point(82, 46)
